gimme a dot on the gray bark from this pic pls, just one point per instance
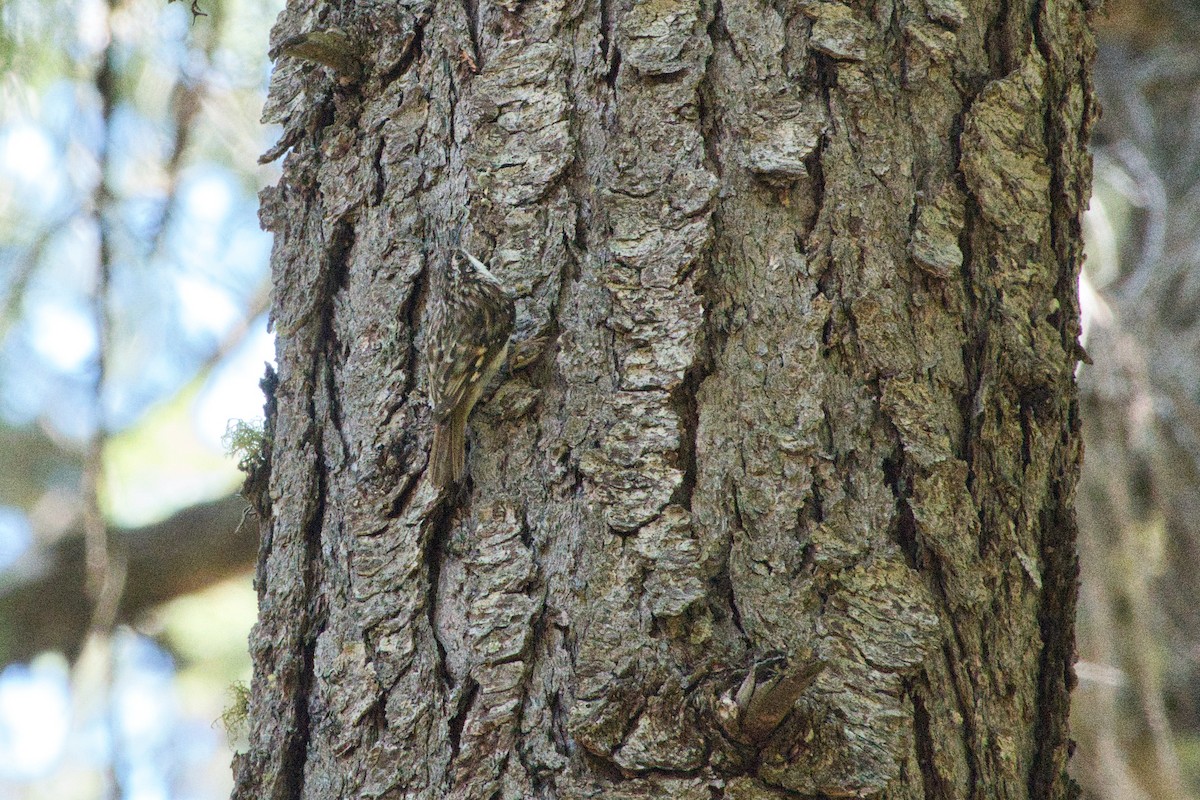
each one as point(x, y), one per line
point(806, 274)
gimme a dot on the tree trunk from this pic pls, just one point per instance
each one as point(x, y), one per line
point(783, 505)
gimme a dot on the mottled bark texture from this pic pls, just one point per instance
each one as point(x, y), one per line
point(806, 276)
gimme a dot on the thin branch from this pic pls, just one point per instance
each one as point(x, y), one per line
point(105, 574)
point(102, 574)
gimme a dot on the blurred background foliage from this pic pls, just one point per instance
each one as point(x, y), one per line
point(1136, 712)
point(133, 291)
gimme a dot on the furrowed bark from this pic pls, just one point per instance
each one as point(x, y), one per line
point(805, 411)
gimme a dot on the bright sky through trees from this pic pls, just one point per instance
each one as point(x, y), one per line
point(162, 190)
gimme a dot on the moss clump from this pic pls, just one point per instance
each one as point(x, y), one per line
point(247, 442)
point(235, 719)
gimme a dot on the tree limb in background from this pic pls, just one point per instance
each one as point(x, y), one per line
point(44, 603)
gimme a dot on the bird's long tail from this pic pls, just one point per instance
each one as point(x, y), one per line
point(448, 456)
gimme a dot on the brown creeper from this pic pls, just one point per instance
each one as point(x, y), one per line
point(472, 317)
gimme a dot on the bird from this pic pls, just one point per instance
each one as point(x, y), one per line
point(471, 319)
